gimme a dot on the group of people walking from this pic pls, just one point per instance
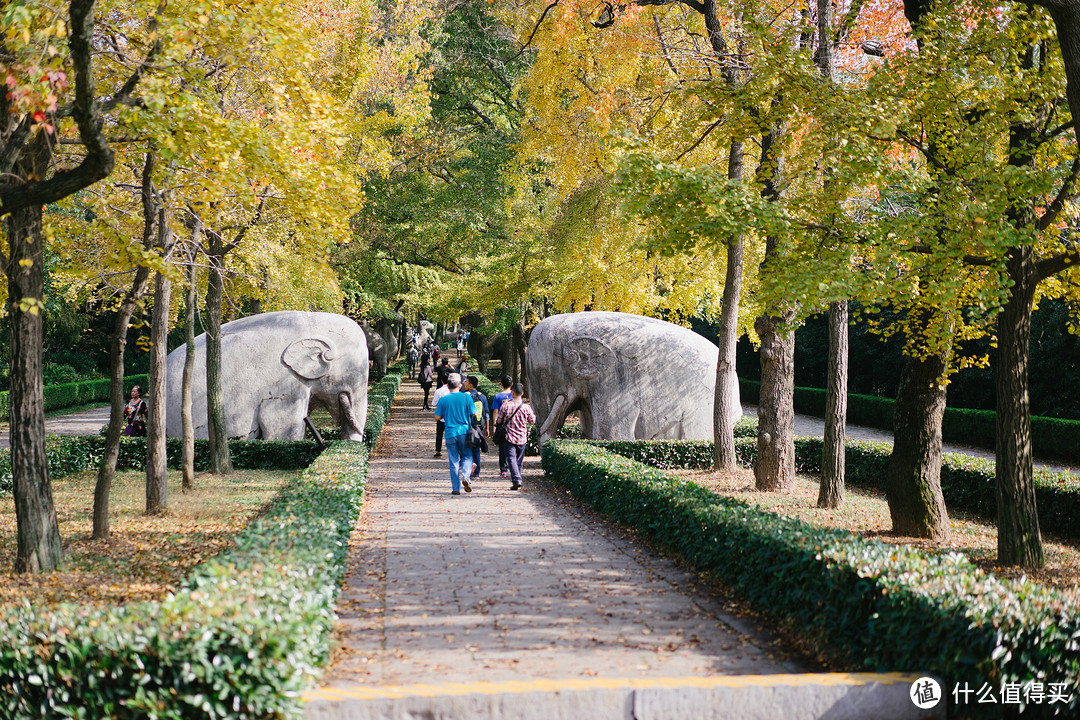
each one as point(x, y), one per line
point(464, 420)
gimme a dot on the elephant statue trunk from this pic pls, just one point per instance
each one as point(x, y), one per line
point(349, 419)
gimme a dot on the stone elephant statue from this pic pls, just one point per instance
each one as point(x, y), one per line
point(628, 377)
point(484, 347)
point(275, 368)
point(388, 330)
point(378, 351)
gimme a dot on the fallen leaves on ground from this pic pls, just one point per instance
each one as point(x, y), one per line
point(146, 557)
point(867, 513)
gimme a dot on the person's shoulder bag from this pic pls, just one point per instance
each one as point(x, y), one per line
point(499, 435)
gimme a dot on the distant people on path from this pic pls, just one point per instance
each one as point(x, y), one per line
point(135, 414)
point(440, 426)
point(435, 353)
point(410, 359)
point(518, 414)
point(471, 387)
point(454, 410)
point(496, 403)
point(426, 377)
point(443, 372)
point(460, 345)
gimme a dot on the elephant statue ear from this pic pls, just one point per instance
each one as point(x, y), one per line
point(309, 358)
point(588, 356)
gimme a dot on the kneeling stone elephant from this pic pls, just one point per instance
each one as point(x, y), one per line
point(275, 367)
point(629, 377)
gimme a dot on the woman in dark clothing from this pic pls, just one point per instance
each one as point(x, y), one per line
point(135, 414)
point(426, 377)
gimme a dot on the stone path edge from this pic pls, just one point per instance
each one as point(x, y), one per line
point(838, 696)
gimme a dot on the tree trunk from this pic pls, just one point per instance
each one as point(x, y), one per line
point(157, 470)
point(726, 377)
point(831, 491)
point(518, 343)
point(38, 532)
point(913, 474)
point(775, 468)
point(186, 420)
point(220, 462)
point(1019, 541)
point(117, 400)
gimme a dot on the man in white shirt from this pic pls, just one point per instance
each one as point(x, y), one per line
point(440, 426)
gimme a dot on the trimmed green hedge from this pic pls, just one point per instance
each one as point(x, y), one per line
point(248, 632)
point(967, 482)
point(58, 397)
point(1051, 438)
point(873, 606)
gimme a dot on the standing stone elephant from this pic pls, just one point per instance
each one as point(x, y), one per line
point(628, 377)
point(482, 347)
point(388, 330)
point(378, 351)
point(276, 367)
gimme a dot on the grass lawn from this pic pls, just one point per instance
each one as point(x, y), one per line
point(146, 557)
point(867, 513)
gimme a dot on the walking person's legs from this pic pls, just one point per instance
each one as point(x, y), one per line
point(503, 466)
point(440, 428)
point(515, 455)
point(476, 462)
point(454, 448)
point(460, 462)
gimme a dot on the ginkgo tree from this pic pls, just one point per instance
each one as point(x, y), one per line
point(51, 75)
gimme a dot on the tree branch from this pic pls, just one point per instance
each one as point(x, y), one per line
point(1066, 192)
point(533, 33)
point(1053, 265)
point(98, 161)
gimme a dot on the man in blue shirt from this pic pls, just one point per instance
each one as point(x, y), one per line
point(496, 402)
point(455, 410)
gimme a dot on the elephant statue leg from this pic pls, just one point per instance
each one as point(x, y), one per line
point(281, 417)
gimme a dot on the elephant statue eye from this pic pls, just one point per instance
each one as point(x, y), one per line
point(588, 356)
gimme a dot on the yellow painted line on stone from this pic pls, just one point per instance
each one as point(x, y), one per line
point(547, 685)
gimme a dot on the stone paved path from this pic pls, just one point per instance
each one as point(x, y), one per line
point(499, 585)
point(85, 422)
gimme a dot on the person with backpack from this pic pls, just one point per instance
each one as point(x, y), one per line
point(496, 403)
point(426, 377)
point(471, 387)
point(513, 431)
point(410, 359)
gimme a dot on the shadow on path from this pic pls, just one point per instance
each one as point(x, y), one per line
point(500, 585)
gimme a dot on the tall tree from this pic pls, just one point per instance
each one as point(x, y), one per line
point(117, 349)
point(31, 113)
